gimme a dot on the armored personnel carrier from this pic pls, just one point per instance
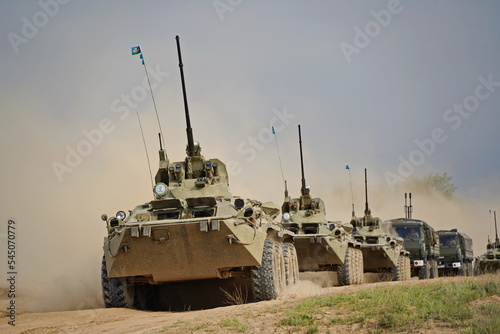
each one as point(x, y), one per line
point(381, 253)
point(456, 254)
point(193, 230)
point(421, 240)
point(489, 262)
point(321, 244)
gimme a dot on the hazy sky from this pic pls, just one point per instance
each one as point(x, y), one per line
point(403, 88)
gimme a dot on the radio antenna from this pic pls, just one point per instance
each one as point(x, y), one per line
point(279, 158)
point(352, 193)
point(137, 51)
point(145, 149)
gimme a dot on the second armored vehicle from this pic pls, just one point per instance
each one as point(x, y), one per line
point(489, 262)
point(456, 253)
point(321, 244)
point(421, 240)
point(194, 229)
point(381, 252)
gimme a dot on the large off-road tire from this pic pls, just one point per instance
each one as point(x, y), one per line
point(349, 272)
point(424, 272)
point(291, 263)
point(462, 271)
point(116, 292)
point(434, 268)
point(268, 279)
point(360, 267)
point(402, 272)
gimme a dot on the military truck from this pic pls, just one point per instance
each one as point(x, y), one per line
point(489, 262)
point(321, 244)
point(382, 253)
point(420, 239)
point(456, 254)
point(194, 230)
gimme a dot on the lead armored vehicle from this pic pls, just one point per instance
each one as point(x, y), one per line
point(321, 244)
point(456, 253)
point(421, 240)
point(193, 230)
point(381, 253)
point(489, 262)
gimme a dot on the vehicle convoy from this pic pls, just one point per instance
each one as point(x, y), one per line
point(489, 262)
point(193, 230)
point(456, 254)
point(381, 252)
point(321, 244)
point(420, 239)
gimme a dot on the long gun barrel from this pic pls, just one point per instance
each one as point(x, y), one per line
point(496, 231)
point(303, 189)
point(367, 210)
point(189, 130)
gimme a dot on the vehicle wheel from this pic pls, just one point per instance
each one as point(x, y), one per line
point(116, 292)
point(291, 263)
point(402, 271)
point(462, 270)
point(348, 272)
point(470, 269)
point(360, 266)
point(268, 279)
point(434, 269)
point(424, 271)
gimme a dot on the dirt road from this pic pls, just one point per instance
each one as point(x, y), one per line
point(259, 317)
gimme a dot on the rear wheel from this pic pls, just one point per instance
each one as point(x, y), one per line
point(291, 263)
point(268, 279)
point(116, 292)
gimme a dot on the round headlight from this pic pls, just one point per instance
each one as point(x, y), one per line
point(286, 216)
point(331, 227)
point(160, 189)
point(121, 215)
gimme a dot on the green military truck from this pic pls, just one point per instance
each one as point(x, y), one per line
point(456, 253)
point(420, 239)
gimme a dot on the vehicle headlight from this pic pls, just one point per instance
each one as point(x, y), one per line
point(286, 216)
point(121, 215)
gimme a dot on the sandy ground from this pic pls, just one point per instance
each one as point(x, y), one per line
point(260, 317)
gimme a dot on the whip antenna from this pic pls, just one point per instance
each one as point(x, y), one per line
point(352, 193)
point(137, 51)
point(279, 157)
point(145, 149)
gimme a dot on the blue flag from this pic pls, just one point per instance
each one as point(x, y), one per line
point(136, 50)
point(347, 167)
point(274, 132)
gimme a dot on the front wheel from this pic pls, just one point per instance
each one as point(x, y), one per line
point(424, 272)
point(402, 272)
point(351, 271)
point(116, 292)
